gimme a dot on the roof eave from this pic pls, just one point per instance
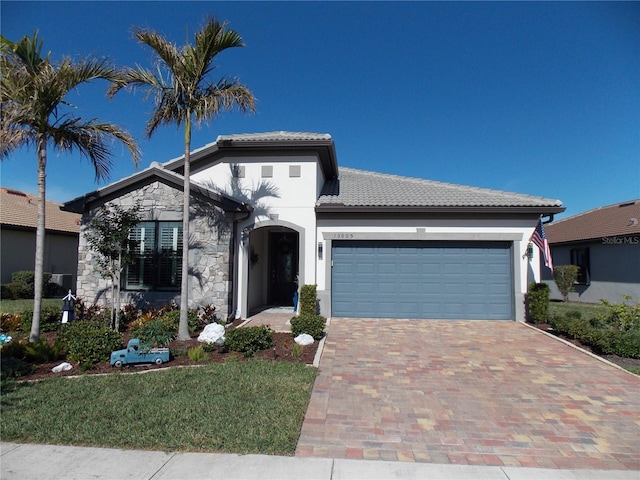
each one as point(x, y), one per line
point(340, 208)
point(325, 149)
point(84, 203)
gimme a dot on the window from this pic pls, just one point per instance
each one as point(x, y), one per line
point(238, 171)
point(158, 257)
point(580, 258)
point(294, 171)
point(267, 171)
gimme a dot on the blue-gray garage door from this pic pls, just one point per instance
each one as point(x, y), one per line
point(428, 280)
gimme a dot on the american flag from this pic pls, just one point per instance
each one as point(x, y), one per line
point(540, 239)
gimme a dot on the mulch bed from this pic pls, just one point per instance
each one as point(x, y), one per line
point(281, 351)
point(623, 362)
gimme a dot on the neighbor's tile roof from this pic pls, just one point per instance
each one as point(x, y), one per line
point(618, 219)
point(359, 188)
point(21, 210)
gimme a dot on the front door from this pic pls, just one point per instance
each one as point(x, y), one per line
point(283, 267)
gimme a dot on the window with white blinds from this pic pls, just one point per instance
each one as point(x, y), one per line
point(158, 257)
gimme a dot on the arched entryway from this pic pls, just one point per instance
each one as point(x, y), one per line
point(274, 266)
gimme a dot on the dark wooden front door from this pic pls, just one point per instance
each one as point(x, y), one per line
point(283, 267)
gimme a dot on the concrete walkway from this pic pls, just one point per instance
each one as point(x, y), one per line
point(473, 393)
point(52, 462)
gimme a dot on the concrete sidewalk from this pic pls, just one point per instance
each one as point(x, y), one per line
point(53, 462)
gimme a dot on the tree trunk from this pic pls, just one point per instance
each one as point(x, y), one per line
point(116, 300)
point(38, 277)
point(183, 328)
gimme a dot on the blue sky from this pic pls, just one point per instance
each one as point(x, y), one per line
point(536, 98)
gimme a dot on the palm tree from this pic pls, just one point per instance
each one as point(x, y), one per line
point(32, 95)
point(182, 94)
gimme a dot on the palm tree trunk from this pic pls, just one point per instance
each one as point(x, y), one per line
point(183, 329)
point(38, 276)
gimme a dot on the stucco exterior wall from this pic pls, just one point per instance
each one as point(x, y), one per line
point(18, 253)
point(614, 272)
point(210, 237)
point(290, 205)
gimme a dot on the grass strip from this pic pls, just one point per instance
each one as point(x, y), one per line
point(239, 407)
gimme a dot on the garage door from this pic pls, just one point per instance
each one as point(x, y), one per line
point(437, 280)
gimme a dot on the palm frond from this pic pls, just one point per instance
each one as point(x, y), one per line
point(91, 139)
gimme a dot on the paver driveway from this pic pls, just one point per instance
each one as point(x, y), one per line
point(480, 393)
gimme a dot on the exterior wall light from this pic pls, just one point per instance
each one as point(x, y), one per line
point(319, 250)
point(529, 252)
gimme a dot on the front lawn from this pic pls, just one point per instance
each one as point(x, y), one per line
point(587, 310)
point(241, 407)
point(26, 304)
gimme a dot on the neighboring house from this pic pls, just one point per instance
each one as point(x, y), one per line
point(18, 220)
point(605, 244)
point(273, 211)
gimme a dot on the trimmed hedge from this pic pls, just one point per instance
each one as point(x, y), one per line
point(249, 340)
point(50, 318)
point(310, 324)
point(308, 300)
point(538, 302)
point(88, 342)
point(599, 333)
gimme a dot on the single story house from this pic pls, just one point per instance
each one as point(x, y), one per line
point(273, 211)
point(18, 221)
point(605, 244)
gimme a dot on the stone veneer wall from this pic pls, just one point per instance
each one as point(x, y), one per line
point(210, 237)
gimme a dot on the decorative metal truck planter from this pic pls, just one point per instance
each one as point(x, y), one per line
point(133, 354)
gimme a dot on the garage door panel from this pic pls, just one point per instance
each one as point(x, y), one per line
point(456, 280)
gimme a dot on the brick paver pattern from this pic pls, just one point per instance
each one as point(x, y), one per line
point(475, 393)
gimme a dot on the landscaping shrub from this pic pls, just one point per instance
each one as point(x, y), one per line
point(538, 302)
point(249, 340)
point(6, 291)
point(308, 300)
point(42, 352)
point(49, 319)
point(565, 276)
point(10, 322)
point(11, 367)
point(156, 331)
point(15, 349)
point(311, 324)
point(197, 354)
point(88, 342)
point(129, 313)
point(601, 333)
point(621, 316)
point(22, 284)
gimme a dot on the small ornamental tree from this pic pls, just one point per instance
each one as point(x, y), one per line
point(565, 276)
point(108, 236)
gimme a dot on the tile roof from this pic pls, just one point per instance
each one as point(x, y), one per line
point(21, 210)
point(359, 188)
point(617, 219)
point(275, 136)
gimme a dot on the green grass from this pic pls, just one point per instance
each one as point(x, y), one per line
point(19, 306)
point(240, 407)
point(587, 310)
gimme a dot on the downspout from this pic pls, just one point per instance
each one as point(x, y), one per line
point(550, 218)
